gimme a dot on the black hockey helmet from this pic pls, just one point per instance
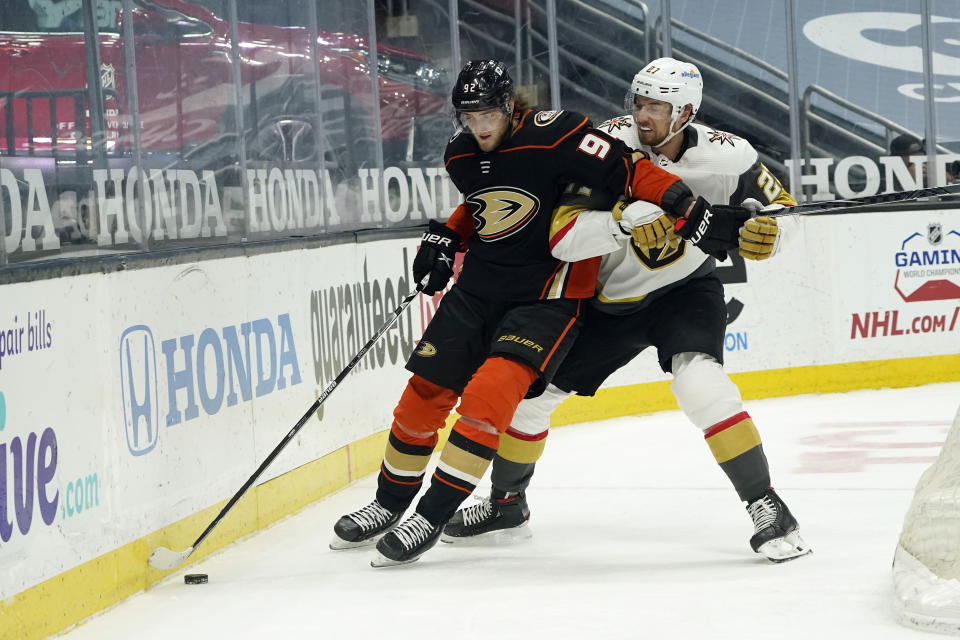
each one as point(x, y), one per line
point(482, 85)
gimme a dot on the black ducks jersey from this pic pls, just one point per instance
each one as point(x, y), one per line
point(510, 194)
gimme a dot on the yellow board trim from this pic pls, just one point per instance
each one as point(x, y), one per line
point(754, 385)
point(76, 594)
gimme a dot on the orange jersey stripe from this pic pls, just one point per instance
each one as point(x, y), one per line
point(384, 474)
point(549, 146)
point(450, 484)
point(546, 285)
point(582, 281)
point(462, 155)
point(556, 344)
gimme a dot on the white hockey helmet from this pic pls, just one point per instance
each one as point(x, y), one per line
point(672, 81)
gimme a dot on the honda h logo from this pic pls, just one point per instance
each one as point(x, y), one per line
point(138, 381)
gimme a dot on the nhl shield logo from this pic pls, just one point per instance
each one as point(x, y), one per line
point(934, 233)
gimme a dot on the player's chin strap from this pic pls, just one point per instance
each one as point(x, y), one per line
point(670, 132)
point(855, 205)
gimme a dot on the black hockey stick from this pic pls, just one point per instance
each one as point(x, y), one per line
point(166, 559)
point(829, 207)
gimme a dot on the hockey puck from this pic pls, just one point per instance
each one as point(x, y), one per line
point(195, 578)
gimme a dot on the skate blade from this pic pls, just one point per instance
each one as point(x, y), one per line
point(339, 544)
point(378, 561)
point(513, 535)
point(789, 547)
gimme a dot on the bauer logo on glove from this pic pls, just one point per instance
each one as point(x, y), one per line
point(433, 264)
point(714, 229)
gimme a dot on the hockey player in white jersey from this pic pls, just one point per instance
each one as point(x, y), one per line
point(657, 287)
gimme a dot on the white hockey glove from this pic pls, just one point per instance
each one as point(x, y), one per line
point(647, 223)
point(760, 235)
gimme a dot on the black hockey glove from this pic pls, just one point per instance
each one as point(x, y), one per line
point(438, 247)
point(714, 229)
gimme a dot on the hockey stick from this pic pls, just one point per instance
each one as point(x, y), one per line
point(165, 559)
point(830, 207)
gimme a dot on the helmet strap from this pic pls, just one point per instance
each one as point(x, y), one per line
point(670, 132)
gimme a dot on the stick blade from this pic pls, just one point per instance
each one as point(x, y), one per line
point(165, 559)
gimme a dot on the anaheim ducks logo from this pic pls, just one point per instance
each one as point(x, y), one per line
point(543, 118)
point(426, 350)
point(502, 211)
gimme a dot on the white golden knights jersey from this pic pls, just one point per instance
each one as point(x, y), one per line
point(719, 166)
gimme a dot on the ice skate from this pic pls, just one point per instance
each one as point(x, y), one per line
point(407, 542)
point(363, 527)
point(776, 533)
point(502, 515)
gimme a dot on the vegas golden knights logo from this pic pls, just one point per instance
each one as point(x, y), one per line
point(658, 258)
point(502, 211)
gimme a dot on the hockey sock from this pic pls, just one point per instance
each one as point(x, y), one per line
point(421, 412)
point(486, 408)
point(712, 402)
point(516, 460)
point(736, 445)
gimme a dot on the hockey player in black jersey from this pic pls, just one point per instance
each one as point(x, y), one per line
point(502, 330)
point(656, 290)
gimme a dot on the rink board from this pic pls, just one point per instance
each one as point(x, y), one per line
point(134, 404)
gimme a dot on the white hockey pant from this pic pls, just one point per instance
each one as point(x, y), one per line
point(532, 416)
point(703, 390)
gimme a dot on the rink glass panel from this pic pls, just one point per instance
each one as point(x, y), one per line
point(323, 132)
point(516, 32)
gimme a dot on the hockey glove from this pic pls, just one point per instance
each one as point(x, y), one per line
point(757, 208)
point(434, 259)
point(759, 238)
point(714, 229)
point(649, 226)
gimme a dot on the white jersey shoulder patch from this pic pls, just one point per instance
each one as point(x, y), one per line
point(622, 128)
point(713, 144)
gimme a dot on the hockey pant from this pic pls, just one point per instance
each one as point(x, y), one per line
point(486, 409)
point(704, 393)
